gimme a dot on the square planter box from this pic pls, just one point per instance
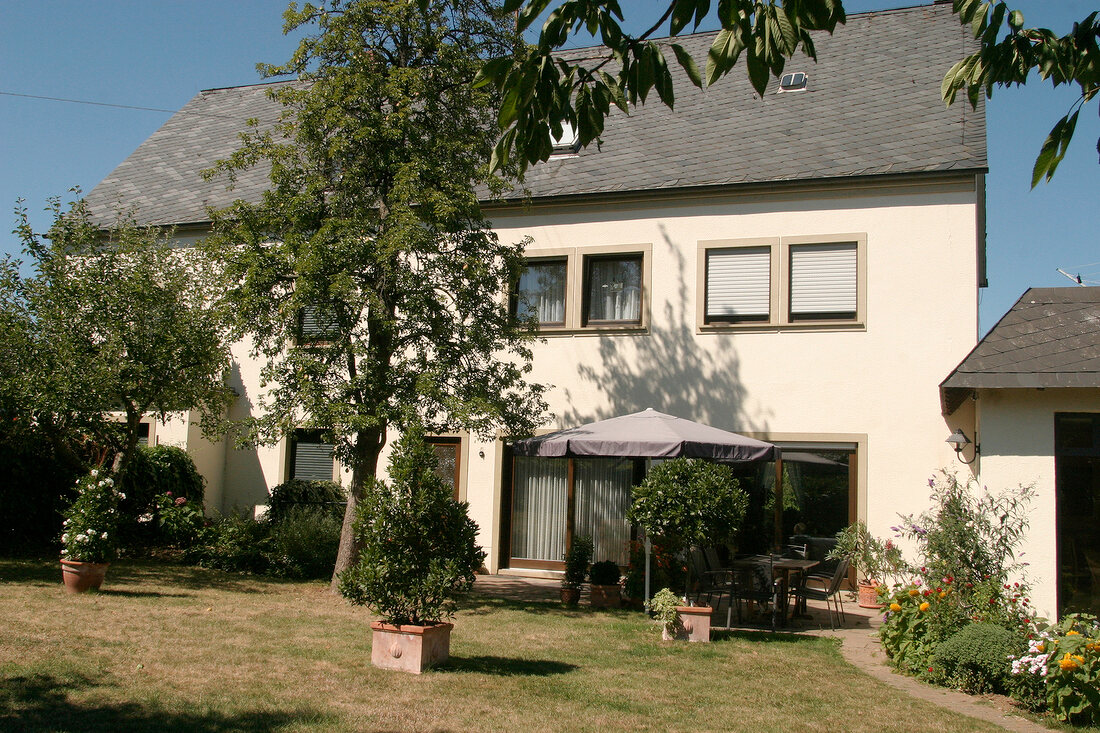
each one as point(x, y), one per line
point(694, 624)
point(409, 648)
point(605, 596)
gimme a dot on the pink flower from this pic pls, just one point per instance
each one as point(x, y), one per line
point(181, 501)
point(167, 493)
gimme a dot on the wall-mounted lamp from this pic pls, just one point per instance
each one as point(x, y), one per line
point(958, 441)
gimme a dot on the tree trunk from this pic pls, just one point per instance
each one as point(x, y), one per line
point(368, 446)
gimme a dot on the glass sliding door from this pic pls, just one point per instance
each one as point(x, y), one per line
point(1077, 488)
point(601, 499)
point(540, 498)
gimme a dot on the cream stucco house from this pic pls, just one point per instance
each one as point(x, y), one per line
point(802, 267)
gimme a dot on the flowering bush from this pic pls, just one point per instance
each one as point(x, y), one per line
point(1065, 661)
point(89, 529)
point(180, 520)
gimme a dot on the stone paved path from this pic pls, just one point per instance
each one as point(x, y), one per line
point(858, 645)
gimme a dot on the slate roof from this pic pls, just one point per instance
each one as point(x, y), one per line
point(1050, 338)
point(872, 107)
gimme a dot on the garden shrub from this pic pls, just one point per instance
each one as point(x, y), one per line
point(328, 496)
point(976, 658)
point(174, 471)
point(1062, 665)
point(303, 543)
point(666, 570)
point(179, 520)
point(605, 572)
point(233, 542)
point(418, 546)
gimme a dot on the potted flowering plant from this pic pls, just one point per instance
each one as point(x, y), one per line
point(678, 620)
point(418, 553)
point(871, 557)
point(89, 539)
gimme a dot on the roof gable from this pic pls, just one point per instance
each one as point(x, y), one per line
point(871, 107)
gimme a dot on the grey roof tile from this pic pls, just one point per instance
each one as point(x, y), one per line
point(872, 107)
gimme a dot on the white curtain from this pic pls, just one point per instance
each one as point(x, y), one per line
point(602, 497)
point(539, 500)
point(542, 292)
point(614, 290)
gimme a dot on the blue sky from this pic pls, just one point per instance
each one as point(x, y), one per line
point(159, 54)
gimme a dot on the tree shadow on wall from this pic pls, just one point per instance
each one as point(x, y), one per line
point(671, 368)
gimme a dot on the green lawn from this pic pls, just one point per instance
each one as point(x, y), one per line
point(166, 648)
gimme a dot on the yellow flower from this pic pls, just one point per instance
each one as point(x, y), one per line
point(1073, 633)
point(1070, 662)
point(1041, 648)
point(913, 592)
point(943, 594)
point(924, 606)
point(1093, 646)
point(895, 607)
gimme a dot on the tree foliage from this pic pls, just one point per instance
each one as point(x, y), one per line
point(542, 90)
point(372, 227)
point(115, 320)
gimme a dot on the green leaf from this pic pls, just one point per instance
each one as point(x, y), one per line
point(682, 13)
point(662, 77)
point(492, 71)
point(616, 91)
point(688, 64)
point(720, 57)
point(758, 72)
point(1054, 149)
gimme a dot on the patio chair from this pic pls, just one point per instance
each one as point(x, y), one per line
point(709, 582)
point(825, 588)
point(754, 583)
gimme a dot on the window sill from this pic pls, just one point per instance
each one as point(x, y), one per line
point(711, 328)
point(556, 331)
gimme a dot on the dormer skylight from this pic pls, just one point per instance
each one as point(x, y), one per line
point(568, 143)
point(794, 82)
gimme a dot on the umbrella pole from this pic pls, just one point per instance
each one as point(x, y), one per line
point(778, 502)
point(648, 550)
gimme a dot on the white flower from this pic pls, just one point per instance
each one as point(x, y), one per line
point(104, 535)
point(121, 495)
point(94, 472)
point(101, 484)
point(65, 537)
point(80, 537)
point(147, 517)
point(110, 481)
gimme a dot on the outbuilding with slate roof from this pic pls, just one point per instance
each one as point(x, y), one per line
point(1030, 394)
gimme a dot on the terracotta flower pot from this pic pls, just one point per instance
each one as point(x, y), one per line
point(80, 576)
point(694, 624)
point(570, 596)
point(868, 595)
point(605, 596)
point(409, 648)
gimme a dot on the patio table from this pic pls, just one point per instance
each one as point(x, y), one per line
point(782, 569)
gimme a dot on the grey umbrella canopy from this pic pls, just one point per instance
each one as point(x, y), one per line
point(647, 434)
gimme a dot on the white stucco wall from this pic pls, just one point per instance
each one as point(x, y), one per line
point(1017, 447)
point(875, 384)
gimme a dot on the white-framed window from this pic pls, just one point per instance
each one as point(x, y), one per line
point(802, 281)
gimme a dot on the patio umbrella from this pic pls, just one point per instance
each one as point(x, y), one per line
point(647, 434)
point(652, 434)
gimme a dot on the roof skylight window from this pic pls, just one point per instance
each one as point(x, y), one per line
point(568, 143)
point(794, 82)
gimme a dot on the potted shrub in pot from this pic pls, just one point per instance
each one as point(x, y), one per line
point(871, 557)
point(417, 555)
point(576, 568)
point(603, 585)
point(679, 621)
point(89, 539)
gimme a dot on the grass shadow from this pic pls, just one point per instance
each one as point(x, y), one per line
point(762, 636)
point(42, 702)
point(507, 667)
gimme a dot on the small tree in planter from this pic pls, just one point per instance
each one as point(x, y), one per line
point(686, 502)
point(576, 568)
point(603, 581)
point(417, 554)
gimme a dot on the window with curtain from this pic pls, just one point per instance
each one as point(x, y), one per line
point(540, 292)
point(613, 289)
point(823, 282)
point(539, 504)
point(602, 496)
point(447, 460)
point(738, 284)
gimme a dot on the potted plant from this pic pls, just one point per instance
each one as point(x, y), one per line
point(678, 620)
point(417, 554)
point(576, 568)
point(89, 539)
point(687, 502)
point(603, 584)
point(871, 558)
